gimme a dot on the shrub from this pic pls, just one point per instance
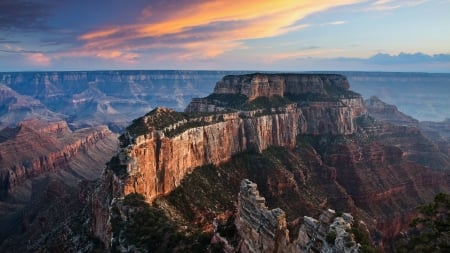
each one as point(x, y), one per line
point(331, 237)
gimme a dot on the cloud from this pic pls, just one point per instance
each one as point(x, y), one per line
point(23, 15)
point(409, 62)
point(8, 41)
point(38, 59)
point(207, 28)
point(118, 55)
point(386, 5)
point(13, 49)
point(337, 22)
point(408, 58)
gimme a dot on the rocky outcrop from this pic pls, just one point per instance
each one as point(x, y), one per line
point(252, 86)
point(264, 230)
point(15, 108)
point(160, 156)
point(388, 113)
point(261, 229)
point(325, 100)
point(36, 147)
point(156, 164)
point(330, 118)
point(267, 85)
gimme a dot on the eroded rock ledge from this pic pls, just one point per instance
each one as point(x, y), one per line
point(264, 230)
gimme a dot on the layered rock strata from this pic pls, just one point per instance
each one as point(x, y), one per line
point(156, 164)
point(160, 156)
point(267, 85)
point(264, 230)
point(36, 147)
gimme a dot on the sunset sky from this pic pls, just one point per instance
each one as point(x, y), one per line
point(383, 35)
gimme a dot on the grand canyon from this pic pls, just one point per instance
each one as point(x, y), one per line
point(214, 161)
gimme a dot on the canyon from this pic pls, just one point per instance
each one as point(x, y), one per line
point(92, 98)
point(331, 153)
point(308, 142)
point(38, 158)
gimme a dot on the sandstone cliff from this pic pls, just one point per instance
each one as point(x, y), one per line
point(164, 160)
point(267, 85)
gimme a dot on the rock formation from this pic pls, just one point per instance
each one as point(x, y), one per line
point(164, 161)
point(15, 108)
point(36, 147)
point(329, 154)
point(154, 156)
point(388, 113)
point(267, 85)
point(94, 98)
point(333, 153)
point(264, 230)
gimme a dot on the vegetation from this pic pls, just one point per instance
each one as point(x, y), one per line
point(339, 92)
point(114, 165)
point(203, 188)
point(148, 228)
point(331, 237)
point(228, 100)
point(241, 102)
point(431, 230)
point(265, 103)
point(362, 237)
point(365, 121)
point(310, 97)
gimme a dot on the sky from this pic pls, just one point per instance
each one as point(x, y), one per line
point(281, 35)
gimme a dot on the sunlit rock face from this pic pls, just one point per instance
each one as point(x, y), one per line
point(157, 163)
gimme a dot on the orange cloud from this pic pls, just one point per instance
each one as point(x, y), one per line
point(99, 34)
point(241, 20)
point(38, 59)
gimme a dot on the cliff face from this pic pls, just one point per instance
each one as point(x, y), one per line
point(156, 163)
point(49, 147)
point(164, 161)
point(388, 113)
point(267, 85)
point(252, 86)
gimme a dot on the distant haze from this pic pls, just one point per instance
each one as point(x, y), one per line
point(422, 96)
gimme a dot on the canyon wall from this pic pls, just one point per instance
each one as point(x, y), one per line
point(156, 164)
point(256, 85)
point(36, 147)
